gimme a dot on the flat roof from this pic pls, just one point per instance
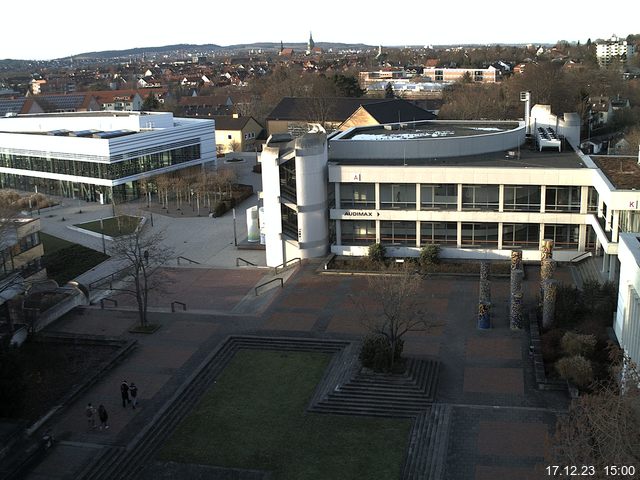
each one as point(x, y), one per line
point(622, 172)
point(427, 129)
point(527, 159)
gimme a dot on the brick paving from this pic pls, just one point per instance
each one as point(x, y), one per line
point(499, 422)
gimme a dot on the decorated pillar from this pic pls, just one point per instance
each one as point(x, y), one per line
point(550, 291)
point(484, 318)
point(516, 316)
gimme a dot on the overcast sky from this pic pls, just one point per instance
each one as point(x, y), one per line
point(42, 29)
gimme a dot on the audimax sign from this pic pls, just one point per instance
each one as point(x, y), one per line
point(361, 213)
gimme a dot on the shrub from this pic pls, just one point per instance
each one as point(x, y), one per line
point(575, 369)
point(577, 344)
point(377, 252)
point(550, 343)
point(219, 209)
point(568, 306)
point(429, 255)
point(375, 353)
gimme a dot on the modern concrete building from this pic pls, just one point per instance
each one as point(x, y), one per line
point(99, 155)
point(21, 253)
point(613, 50)
point(451, 75)
point(478, 189)
point(627, 322)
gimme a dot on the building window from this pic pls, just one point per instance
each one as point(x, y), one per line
point(480, 197)
point(480, 235)
point(439, 197)
point(629, 221)
point(522, 235)
point(440, 233)
point(398, 196)
point(357, 195)
point(563, 236)
point(592, 239)
point(361, 232)
point(288, 180)
point(398, 233)
point(521, 198)
point(289, 221)
point(562, 199)
point(593, 200)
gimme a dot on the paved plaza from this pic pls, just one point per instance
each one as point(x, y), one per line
point(500, 420)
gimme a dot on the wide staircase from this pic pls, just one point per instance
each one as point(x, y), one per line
point(587, 270)
point(382, 395)
point(427, 452)
point(124, 462)
point(344, 390)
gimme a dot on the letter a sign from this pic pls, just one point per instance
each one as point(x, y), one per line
point(356, 177)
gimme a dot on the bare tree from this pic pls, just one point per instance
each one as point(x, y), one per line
point(142, 253)
point(394, 307)
point(602, 428)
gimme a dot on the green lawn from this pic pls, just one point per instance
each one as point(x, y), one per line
point(65, 260)
point(113, 226)
point(254, 418)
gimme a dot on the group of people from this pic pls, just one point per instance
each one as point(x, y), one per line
point(101, 413)
point(129, 394)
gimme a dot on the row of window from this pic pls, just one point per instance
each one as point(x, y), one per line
point(519, 198)
point(403, 233)
point(107, 171)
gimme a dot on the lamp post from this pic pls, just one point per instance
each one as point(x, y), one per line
point(235, 237)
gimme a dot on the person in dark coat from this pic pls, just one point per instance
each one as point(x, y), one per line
point(133, 391)
point(124, 392)
point(103, 416)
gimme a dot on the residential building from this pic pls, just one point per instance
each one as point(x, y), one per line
point(50, 103)
point(235, 133)
point(99, 155)
point(614, 50)
point(293, 115)
point(478, 189)
point(119, 100)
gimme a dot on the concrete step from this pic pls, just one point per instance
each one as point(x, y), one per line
point(426, 459)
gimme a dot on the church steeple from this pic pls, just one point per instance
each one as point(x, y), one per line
point(281, 47)
point(310, 44)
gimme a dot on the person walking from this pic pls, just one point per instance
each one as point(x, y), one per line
point(90, 412)
point(124, 392)
point(133, 391)
point(104, 417)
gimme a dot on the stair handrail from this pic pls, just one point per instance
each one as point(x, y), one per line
point(247, 262)
point(187, 259)
point(580, 257)
point(267, 283)
point(286, 264)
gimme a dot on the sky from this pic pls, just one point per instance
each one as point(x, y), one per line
point(43, 30)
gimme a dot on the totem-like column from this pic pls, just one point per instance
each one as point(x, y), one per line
point(550, 292)
point(515, 320)
point(515, 311)
point(485, 268)
point(484, 318)
point(485, 291)
point(547, 269)
point(516, 259)
point(546, 249)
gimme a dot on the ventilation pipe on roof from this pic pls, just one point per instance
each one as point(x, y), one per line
point(526, 98)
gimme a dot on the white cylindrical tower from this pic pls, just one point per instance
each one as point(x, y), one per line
point(311, 189)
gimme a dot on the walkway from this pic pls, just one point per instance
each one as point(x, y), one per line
point(499, 420)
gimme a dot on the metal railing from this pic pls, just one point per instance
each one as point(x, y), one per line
point(187, 259)
point(117, 275)
point(246, 262)
point(286, 264)
point(267, 283)
point(582, 256)
point(182, 304)
point(103, 300)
